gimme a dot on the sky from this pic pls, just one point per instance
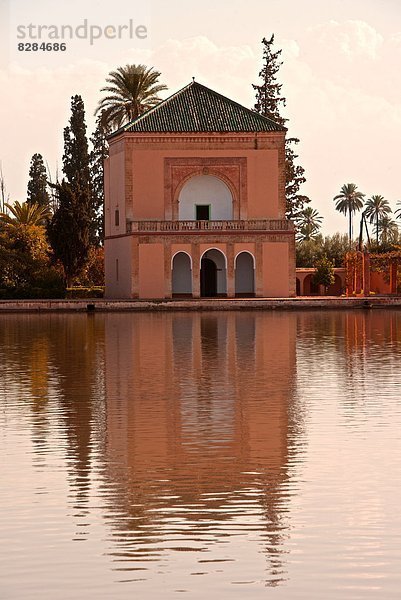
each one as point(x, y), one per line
point(341, 76)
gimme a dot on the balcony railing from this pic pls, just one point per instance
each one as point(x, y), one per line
point(182, 226)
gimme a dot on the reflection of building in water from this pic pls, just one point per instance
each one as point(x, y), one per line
point(198, 416)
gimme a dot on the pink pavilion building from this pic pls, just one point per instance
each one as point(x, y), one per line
point(195, 203)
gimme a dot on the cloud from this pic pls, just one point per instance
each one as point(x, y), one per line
point(350, 39)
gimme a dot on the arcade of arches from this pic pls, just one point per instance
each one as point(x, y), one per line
point(306, 287)
point(213, 274)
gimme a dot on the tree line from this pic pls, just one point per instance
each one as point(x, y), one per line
point(54, 239)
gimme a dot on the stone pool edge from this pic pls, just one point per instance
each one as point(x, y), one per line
point(101, 305)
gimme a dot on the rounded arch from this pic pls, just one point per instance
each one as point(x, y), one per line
point(181, 252)
point(211, 189)
point(213, 273)
point(181, 274)
point(310, 288)
point(244, 274)
point(246, 252)
point(217, 250)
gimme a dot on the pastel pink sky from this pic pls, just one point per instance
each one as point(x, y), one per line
point(341, 76)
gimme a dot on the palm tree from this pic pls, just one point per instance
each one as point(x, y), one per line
point(349, 200)
point(25, 214)
point(388, 229)
point(309, 223)
point(132, 90)
point(376, 208)
point(398, 211)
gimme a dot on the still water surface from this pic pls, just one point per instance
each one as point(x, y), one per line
point(239, 455)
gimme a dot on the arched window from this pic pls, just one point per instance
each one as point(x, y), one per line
point(203, 198)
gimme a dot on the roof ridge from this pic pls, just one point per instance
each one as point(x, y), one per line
point(235, 103)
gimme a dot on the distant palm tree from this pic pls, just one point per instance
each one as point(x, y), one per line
point(376, 208)
point(388, 229)
point(309, 224)
point(25, 214)
point(398, 211)
point(349, 200)
point(133, 89)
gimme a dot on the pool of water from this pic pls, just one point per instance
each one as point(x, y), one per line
point(220, 455)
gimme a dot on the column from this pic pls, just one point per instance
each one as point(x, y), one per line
point(134, 267)
point(230, 270)
point(393, 276)
point(259, 270)
point(195, 251)
point(366, 274)
point(167, 269)
point(358, 274)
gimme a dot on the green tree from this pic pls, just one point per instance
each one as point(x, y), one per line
point(398, 211)
point(387, 230)
point(69, 230)
point(334, 247)
point(324, 273)
point(269, 101)
point(132, 90)
point(24, 214)
point(25, 268)
point(99, 153)
point(309, 224)
point(76, 152)
point(376, 207)
point(349, 201)
point(4, 196)
point(37, 184)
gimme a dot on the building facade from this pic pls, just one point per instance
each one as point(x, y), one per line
point(195, 203)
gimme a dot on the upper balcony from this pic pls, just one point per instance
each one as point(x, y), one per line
point(263, 225)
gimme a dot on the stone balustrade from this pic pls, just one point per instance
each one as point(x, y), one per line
point(182, 226)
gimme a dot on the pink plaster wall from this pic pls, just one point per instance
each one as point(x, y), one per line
point(151, 271)
point(148, 180)
point(115, 190)
point(275, 270)
point(378, 285)
point(118, 249)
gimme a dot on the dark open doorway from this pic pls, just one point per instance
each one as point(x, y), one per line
point(202, 212)
point(208, 278)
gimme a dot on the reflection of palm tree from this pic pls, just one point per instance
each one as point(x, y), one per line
point(388, 229)
point(376, 208)
point(133, 89)
point(309, 224)
point(349, 200)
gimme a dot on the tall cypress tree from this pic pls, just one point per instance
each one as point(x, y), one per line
point(97, 156)
point(37, 184)
point(269, 100)
point(76, 153)
point(69, 230)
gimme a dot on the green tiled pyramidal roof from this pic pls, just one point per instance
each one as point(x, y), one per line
point(196, 108)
